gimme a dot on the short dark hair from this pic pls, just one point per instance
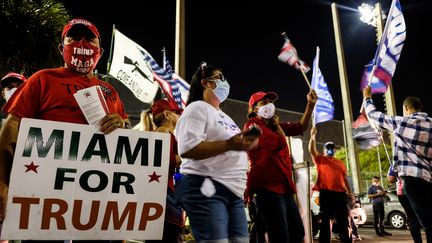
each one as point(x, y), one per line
point(196, 90)
point(376, 177)
point(414, 102)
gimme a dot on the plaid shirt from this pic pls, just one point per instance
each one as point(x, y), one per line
point(412, 149)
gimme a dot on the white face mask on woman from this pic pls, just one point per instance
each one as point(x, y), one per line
point(266, 111)
point(9, 93)
point(222, 90)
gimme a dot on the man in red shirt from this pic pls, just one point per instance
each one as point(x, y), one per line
point(48, 95)
point(334, 188)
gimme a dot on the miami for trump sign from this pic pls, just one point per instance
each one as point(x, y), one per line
point(70, 181)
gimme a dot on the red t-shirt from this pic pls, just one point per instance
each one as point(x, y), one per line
point(331, 174)
point(48, 95)
point(270, 161)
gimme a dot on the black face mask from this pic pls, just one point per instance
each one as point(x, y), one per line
point(330, 152)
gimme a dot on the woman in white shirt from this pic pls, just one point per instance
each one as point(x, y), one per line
point(214, 162)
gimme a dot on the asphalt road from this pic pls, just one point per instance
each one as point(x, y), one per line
point(367, 234)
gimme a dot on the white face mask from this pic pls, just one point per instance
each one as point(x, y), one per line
point(222, 90)
point(266, 111)
point(9, 93)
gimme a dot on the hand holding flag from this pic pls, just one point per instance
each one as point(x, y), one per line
point(288, 54)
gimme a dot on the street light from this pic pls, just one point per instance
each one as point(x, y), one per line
point(367, 14)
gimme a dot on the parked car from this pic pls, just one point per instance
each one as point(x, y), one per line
point(394, 214)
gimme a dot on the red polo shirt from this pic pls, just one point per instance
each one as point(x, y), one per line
point(270, 161)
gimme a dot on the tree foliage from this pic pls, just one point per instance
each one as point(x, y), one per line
point(30, 31)
point(369, 163)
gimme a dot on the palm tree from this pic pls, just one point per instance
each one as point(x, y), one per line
point(30, 33)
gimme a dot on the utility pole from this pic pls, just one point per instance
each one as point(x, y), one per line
point(180, 58)
point(346, 101)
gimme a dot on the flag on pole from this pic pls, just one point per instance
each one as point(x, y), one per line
point(364, 133)
point(138, 70)
point(180, 88)
point(288, 54)
point(175, 88)
point(128, 66)
point(388, 51)
point(377, 85)
point(324, 108)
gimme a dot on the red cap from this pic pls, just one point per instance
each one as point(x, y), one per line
point(261, 95)
point(163, 105)
point(84, 22)
point(10, 77)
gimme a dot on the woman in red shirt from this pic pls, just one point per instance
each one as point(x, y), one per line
point(270, 175)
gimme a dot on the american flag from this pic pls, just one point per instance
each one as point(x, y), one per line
point(173, 86)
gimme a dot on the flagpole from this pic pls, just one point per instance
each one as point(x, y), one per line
point(306, 78)
point(314, 74)
point(164, 58)
point(111, 50)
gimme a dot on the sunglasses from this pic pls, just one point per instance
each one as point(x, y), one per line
point(218, 76)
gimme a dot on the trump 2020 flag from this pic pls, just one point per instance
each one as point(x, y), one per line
point(288, 54)
point(388, 51)
point(324, 108)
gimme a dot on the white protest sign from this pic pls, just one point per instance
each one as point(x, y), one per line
point(70, 181)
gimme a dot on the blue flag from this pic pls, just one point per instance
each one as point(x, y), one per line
point(388, 51)
point(324, 108)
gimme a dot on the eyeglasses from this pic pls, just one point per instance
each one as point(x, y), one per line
point(218, 76)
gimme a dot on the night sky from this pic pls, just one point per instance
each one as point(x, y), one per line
point(244, 38)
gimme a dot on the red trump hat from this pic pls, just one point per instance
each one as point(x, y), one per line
point(261, 95)
point(163, 105)
point(83, 22)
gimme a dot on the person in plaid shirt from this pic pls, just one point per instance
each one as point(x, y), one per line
point(412, 153)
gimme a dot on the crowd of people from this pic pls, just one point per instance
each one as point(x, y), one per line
point(225, 165)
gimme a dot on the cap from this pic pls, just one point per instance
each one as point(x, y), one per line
point(329, 145)
point(261, 95)
point(12, 76)
point(80, 21)
point(163, 105)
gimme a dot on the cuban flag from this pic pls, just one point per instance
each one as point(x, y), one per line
point(324, 108)
point(388, 52)
point(288, 54)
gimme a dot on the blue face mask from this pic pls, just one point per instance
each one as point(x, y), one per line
point(330, 152)
point(222, 90)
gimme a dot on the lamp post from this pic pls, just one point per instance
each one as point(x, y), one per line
point(374, 16)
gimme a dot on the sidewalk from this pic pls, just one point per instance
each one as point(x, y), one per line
point(367, 234)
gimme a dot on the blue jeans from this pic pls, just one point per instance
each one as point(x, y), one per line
point(282, 217)
point(219, 218)
point(419, 193)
